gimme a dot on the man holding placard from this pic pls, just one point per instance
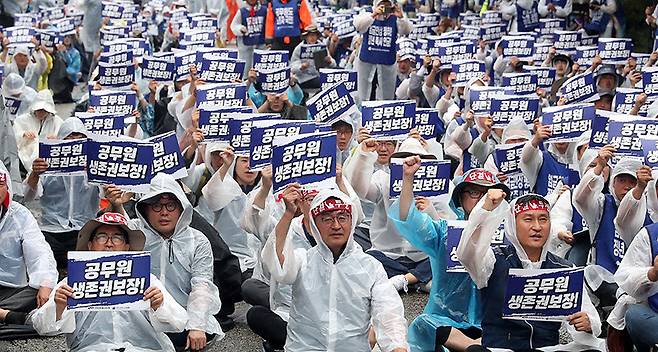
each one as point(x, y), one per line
point(100, 324)
point(527, 227)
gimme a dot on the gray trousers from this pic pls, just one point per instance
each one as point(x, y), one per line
point(22, 299)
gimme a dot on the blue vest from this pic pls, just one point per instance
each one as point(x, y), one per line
point(255, 26)
point(527, 20)
point(469, 161)
point(577, 221)
point(550, 172)
point(378, 45)
point(652, 230)
point(451, 11)
point(609, 245)
point(514, 334)
point(557, 3)
point(286, 19)
point(598, 22)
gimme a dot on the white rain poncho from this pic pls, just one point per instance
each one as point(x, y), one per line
point(33, 70)
point(113, 329)
point(91, 24)
point(183, 262)
point(67, 202)
point(28, 149)
point(475, 253)
point(335, 303)
point(25, 256)
point(222, 204)
point(13, 87)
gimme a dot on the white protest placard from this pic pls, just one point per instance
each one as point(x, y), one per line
point(615, 50)
point(568, 122)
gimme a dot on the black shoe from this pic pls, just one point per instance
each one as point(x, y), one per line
point(268, 348)
point(227, 323)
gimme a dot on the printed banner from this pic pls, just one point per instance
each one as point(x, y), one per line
point(429, 123)
point(493, 32)
point(467, 69)
point(113, 102)
point(309, 159)
point(508, 161)
point(615, 50)
point(508, 107)
point(183, 59)
point(650, 81)
point(481, 97)
point(431, 180)
point(452, 52)
point(101, 124)
point(331, 104)
point(215, 69)
point(275, 81)
point(121, 162)
point(543, 294)
point(521, 83)
point(584, 55)
point(545, 76)
point(264, 131)
point(213, 122)
point(580, 89)
point(522, 47)
point(20, 35)
point(599, 136)
point(568, 122)
point(221, 95)
point(108, 280)
point(116, 75)
point(650, 152)
point(388, 119)
point(625, 100)
point(117, 58)
point(167, 157)
point(270, 59)
point(455, 229)
point(64, 157)
point(239, 130)
point(331, 76)
point(566, 41)
point(624, 134)
point(158, 69)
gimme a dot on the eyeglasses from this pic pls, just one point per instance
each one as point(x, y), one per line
point(474, 193)
point(343, 218)
point(102, 238)
point(170, 206)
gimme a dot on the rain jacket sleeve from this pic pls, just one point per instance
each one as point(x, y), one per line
point(236, 24)
point(257, 221)
point(203, 301)
point(39, 259)
point(631, 276)
point(363, 21)
point(170, 316)
point(360, 175)
point(419, 229)
point(44, 319)
point(587, 199)
point(531, 161)
point(294, 260)
point(630, 216)
point(652, 199)
point(388, 314)
point(219, 193)
point(474, 249)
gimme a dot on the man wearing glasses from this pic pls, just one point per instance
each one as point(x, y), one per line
point(336, 277)
point(181, 257)
point(470, 188)
point(112, 330)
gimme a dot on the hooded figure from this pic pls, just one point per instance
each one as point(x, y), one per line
point(41, 122)
point(183, 261)
point(32, 70)
point(378, 49)
point(324, 315)
point(26, 261)
point(17, 97)
point(67, 202)
point(112, 330)
point(489, 268)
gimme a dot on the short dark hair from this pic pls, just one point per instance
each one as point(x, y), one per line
point(340, 123)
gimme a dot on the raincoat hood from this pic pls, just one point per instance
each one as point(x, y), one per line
point(625, 165)
point(161, 184)
point(72, 125)
point(588, 157)
point(210, 148)
point(467, 90)
point(568, 157)
point(516, 129)
point(13, 85)
point(510, 232)
point(322, 247)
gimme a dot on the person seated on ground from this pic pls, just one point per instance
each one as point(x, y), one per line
point(282, 105)
point(326, 279)
point(27, 266)
point(112, 330)
point(404, 264)
point(182, 257)
point(527, 227)
point(29, 66)
point(67, 202)
point(344, 138)
point(71, 58)
point(294, 92)
point(41, 122)
point(637, 276)
point(470, 188)
point(453, 314)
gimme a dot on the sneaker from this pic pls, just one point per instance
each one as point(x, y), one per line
point(400, 283)
point(426, 288)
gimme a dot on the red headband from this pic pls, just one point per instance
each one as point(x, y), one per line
point(4, 178)
point(112, 218)
point(531, 205)
point(330, 204)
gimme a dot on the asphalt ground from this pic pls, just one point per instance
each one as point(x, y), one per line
point(239, 339)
